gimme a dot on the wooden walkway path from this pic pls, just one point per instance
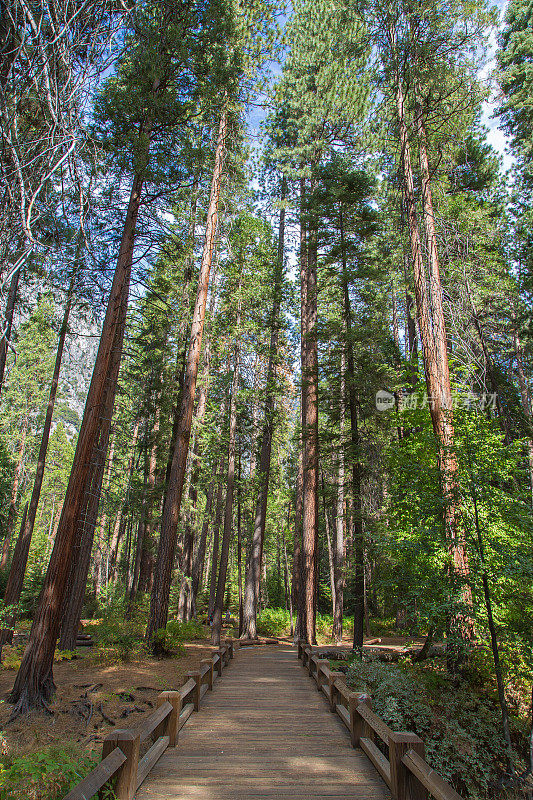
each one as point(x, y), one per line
point(264, 732)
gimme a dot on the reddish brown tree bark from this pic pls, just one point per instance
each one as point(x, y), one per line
point(309, 362)
point(338, 548)
point(159, 599)
point(298, 599)
point(34, 684)
point(187, 598)
point(428, 296)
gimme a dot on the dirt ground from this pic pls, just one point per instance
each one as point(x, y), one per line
point(92, 699)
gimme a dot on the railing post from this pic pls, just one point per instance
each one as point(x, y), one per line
point(310, 662)
point(219, 662)
point(223, 655)
point(333, 691)
point(299, 644)
point(357, 724)
point(229, 643)
point(210, 679)
point(320, 679)
point(197, 678)
point(404, 786)
point(126, 779)
point(170, 726)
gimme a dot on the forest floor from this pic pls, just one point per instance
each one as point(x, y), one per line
point(92, 698)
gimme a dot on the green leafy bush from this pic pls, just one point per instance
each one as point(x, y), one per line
point(45, 775)
point(273, 622)
point(118, 639)
point(276, 622)
point(171, 637)
point(461, 728)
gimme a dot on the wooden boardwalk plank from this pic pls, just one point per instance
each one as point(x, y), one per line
point(264, 732)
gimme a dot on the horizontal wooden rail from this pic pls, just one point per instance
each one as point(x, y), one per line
point(154, 720)
point(121, 766)
point(397, 756)
point(95, 780)
point(185, 714)
point(152, 756)
point(427, 776)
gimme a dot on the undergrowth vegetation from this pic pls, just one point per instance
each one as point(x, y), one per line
point(45, 775)
point(458, 721)
point(276, 622)
point(172, 637)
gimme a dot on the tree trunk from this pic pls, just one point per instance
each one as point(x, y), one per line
point(213, 572)
point(147, 561)
point(411, 341)
point(216, 627)
point(286, 573)
point(461, 621)
point(171, 508)
point(434, 349)
point(34, 684)
point(107, 481)
point(253, 571)
point(357, 508)
point(239, 545)
point(73, 604)
point(309, 362)
point(186, 598)
point(331, 559)
point(22, 547)
point(298, 598)
point(198, 566)
point(338, 549)
point(183, 325)
point(133, 589)
point(215, 545)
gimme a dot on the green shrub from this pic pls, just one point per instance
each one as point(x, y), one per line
point(171, 637)
point(273, 622)
point(191, 630)
point(46, 775)
point(460, 728)
point(118, 639)
point(276, 622)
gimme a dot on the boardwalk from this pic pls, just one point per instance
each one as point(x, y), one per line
point(264, 732)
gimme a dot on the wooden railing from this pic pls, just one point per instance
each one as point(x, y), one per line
point(121, 766)
point(398, 756)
